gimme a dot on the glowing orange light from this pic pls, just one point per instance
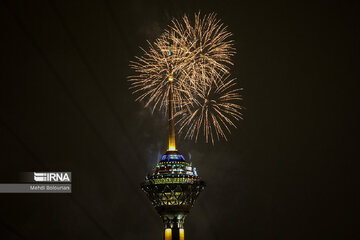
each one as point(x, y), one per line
point(168, 234)
point(172, 148)
point(182, 234)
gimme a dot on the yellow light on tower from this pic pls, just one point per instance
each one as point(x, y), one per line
point(168, 234)
point(172, 148)
point(182, 234)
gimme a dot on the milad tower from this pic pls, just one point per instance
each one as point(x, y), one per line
point(174, 184)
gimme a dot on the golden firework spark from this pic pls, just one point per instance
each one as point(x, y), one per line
point(213, 111)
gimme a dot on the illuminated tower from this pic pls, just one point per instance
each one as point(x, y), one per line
point(173, 185)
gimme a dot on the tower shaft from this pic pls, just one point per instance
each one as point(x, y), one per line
point(172, 145)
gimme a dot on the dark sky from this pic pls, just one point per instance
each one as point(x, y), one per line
point(286, 173)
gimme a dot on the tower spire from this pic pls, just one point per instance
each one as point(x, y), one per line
point(172, 145)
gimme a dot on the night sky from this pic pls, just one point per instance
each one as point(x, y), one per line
point(286, 173)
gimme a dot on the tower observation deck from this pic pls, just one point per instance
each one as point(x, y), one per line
point(172, 187)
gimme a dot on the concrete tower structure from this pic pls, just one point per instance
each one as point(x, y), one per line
point(174, 184)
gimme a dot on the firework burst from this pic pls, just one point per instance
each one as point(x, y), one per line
point(157, 70)
point(182, 72)
point(208, 47)
point(213, 111)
